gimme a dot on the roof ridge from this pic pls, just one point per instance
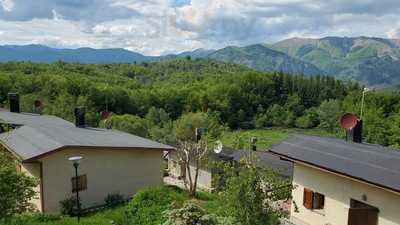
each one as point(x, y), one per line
point(385, 149)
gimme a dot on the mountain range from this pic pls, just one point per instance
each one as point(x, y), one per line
point(371, 61)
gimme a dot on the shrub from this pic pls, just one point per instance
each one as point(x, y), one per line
point(147, 206)
point(68, 206)
point(192, 214)
point(16, 188)
point(114, 199)
point(189, 214)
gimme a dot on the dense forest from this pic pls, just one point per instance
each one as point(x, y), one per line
point(146, 98)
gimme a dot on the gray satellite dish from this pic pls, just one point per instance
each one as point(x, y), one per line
point(218, 147)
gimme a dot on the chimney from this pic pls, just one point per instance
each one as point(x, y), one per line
point(13, 99)
point(355, 134)
point(80, 116)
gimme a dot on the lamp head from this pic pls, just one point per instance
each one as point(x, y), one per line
point(75, 159)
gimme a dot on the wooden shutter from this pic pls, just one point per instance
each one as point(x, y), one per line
point(308, 198)
point(82, 183)
point(363, 216)
point(318, 201)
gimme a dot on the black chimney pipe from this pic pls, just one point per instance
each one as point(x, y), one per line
point(80, 116)
point(355, 134)
point(13, 99)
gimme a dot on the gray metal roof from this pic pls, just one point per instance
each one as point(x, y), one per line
point(43, 134)
point(374, 164)
point(32, 119)
point(263, 159)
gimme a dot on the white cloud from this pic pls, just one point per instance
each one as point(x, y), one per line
point(165, 26)
point(7, 5)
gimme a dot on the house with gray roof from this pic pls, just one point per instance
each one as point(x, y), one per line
point(341, 182)
point(262, 159)
point(113, 162)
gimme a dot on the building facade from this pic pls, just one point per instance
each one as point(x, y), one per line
point(113, 162)
point(342, 183)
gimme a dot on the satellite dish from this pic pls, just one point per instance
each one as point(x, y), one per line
point(218, 147)
point(348, 121)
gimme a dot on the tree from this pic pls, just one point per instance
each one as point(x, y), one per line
point(328, 114)
point(192, 154)
point(17, 189)
point(394, 130)
point(128, 123)
point(248, 193)
point(276, 115)
point(309, 119)
point(191, 151)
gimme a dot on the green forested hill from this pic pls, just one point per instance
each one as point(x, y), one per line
point(373, 61)
point(262, 58)
point(145, 98)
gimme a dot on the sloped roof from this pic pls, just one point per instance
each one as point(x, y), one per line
point(263, 159)
point(40, 135)
point(32, 119)
point(373, 164)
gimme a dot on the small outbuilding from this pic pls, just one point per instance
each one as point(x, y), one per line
point(113, 162)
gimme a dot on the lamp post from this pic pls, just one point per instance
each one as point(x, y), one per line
point(76, 160)
point(365, 90)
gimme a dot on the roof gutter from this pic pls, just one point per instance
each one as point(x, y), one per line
point(34, 158)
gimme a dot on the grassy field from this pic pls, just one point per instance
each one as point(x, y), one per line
point(266, 137)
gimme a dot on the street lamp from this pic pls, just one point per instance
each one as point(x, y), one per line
point(76, 160)
point(365, 90)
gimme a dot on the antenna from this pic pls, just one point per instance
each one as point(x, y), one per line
point(218, 147)
point(348, 121)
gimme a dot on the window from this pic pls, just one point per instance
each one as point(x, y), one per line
point(82, 183)
point(313, 200)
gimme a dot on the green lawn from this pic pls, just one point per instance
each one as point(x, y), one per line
point(266, 137)
point(99, 218)
point(115, 215)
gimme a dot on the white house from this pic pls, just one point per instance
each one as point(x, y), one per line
point(113, 161)
point(342, 183)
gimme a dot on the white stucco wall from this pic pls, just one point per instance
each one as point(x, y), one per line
point(204, 180)
point(108, 171)
point(338, 191)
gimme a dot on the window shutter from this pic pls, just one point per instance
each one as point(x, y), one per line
point(82, 183)
point(308, 198)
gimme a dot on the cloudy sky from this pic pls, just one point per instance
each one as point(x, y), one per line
point(165, 26)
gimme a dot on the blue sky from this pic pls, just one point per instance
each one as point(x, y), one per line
point(166, 26)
